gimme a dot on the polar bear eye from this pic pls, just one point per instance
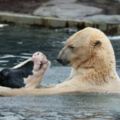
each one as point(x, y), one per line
point(71, 47)
point(97, 43)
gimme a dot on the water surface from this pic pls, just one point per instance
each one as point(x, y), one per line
point(17, 44)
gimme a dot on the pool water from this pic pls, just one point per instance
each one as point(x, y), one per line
point(17, 43)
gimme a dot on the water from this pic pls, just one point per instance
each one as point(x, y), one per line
point(66, 107)
point(18, 43)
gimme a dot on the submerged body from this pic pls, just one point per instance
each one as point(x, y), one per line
point(91, 56)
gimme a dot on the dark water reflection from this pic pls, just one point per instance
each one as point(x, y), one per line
point(17, 44)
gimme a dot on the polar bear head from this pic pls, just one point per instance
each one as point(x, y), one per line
point(88, 48)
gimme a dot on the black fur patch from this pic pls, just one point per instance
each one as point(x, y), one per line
point(14, 78)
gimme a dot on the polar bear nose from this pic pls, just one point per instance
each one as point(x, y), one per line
point(62, 61)
point(59, 60)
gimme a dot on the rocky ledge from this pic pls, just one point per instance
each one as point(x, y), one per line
point(64, 13)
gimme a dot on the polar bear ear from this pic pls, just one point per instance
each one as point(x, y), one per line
point(97, 43)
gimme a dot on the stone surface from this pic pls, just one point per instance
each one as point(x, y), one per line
point(109, 24)
point(104, 18)
point(109, 7)
point(20, 6)
point(68, 13)
point(68, 9)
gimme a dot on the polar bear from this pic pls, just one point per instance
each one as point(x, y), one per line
point(91, 56)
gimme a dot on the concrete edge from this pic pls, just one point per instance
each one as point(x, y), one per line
point(50, 22)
